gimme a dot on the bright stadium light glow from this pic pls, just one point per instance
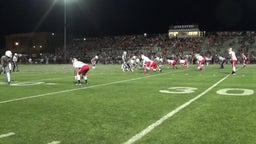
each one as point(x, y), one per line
point(66, 2)
point(65, 31)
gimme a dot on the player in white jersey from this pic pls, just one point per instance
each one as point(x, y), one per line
point(15, 62)
point(6, 65)
point(200, 61)
point(160, 62)
point(125, 66)
point(222, 61)
point(137, 62)
point(80, 69)
point(232, 55)
point(94, 61)
point(131, 63)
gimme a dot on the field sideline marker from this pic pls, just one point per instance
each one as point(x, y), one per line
point(70, 90)
point(145, 131)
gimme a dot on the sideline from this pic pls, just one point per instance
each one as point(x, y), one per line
point(145, 131)
point(81, 88)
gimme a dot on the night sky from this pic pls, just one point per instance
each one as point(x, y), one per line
point(119, 17)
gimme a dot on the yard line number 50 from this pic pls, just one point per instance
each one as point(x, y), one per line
point(226, 91)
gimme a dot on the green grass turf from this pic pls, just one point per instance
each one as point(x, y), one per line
point(43, 105)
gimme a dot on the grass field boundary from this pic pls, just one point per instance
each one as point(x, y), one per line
point(145, 131)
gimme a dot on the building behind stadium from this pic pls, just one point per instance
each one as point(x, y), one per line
point(34, 43)
point(185, 31)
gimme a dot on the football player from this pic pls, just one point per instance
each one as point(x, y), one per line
point(146, 63)
point(172, 63)
point(6, 65)
point(15, 62)
point(125, 66)
point(222, 61)
point(159, 61)
point(233, 57)
point(94, 61)
point(200, 61)
point(183, 62)
point(80, 69)
point(244, 60)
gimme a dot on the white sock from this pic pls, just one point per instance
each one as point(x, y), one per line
point(8, 76)
point(78, 77)
point(234, 69)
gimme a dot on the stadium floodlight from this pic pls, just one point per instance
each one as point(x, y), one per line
point(65, 29)
point(65, 32)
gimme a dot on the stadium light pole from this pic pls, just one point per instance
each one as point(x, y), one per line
point(65, 32)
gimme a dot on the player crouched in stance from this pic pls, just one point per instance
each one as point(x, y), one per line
point(132, 63)
point(94, 61)
point(200, 61)
point(149, 65)
point(146, 63)
point(80, 69)
point(183, 62)
point(6, 65)
point(172, 63)
point(159, 61)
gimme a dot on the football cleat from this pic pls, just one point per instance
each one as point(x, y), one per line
point(78, 83)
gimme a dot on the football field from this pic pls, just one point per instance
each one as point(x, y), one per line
point(176, 106)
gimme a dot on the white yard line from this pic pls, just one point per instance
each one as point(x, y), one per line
point(54, 142)
point(6, 135)
point(76, 89)
point(145, 131)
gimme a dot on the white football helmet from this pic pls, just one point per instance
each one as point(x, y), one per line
point(137, 60)
point(74, 60)
point(157, 59)
point(96, 57)
point(142, 57)
point(8, 53)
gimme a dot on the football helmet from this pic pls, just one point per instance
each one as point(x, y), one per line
point(74, 60)
point(8, 53)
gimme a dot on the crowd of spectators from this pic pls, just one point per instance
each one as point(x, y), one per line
point(110, 48)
